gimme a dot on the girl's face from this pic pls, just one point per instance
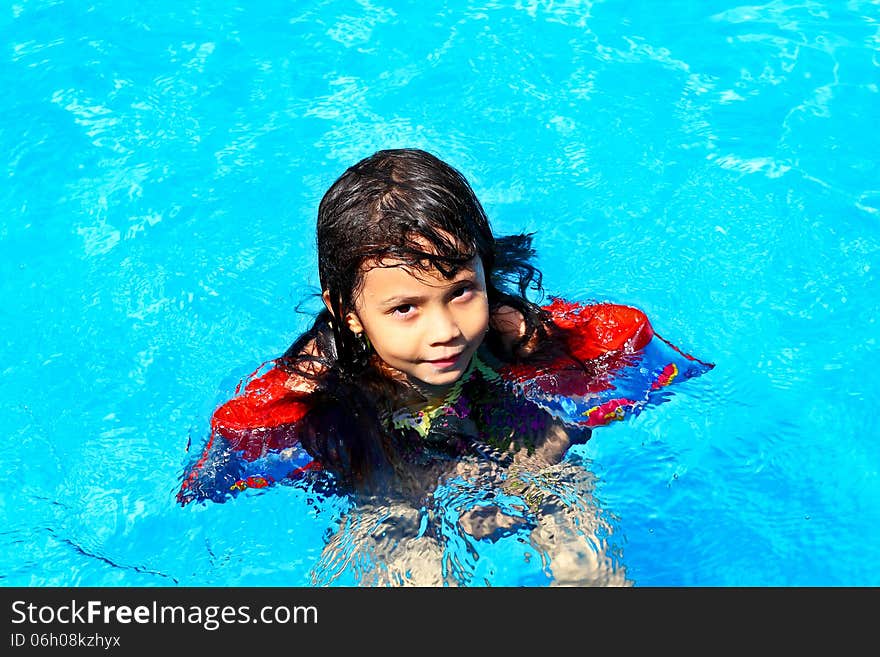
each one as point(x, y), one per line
point(423, 325)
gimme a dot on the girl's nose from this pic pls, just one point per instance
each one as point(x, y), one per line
point(442, 328)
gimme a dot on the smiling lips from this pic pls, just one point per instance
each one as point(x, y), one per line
point(445, 362)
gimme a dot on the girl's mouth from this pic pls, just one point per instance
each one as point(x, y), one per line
point(444, 363)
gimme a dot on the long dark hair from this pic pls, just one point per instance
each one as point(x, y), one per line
point(409, 206)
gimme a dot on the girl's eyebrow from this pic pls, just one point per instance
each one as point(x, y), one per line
point(466, 276)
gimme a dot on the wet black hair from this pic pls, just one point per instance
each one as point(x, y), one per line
point(409, 206)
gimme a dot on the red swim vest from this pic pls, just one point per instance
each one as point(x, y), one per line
point(589, 331)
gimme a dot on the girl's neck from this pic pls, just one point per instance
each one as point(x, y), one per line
point(427, 394)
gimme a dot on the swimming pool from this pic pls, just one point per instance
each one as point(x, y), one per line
point(714, 164)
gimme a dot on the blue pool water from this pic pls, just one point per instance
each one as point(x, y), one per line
point(712, 163)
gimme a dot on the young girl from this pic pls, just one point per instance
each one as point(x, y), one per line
point(429, 360)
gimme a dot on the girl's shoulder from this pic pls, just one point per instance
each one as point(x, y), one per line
point(511, 327)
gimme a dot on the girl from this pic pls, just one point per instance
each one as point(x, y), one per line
point(429, 361)
point(415, 289)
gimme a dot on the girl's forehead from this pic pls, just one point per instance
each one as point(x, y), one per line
point(392, 270)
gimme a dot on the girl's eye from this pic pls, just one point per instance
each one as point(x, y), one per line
point(403, 309)
point(462, 291)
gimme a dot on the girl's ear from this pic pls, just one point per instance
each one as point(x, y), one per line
point(351, 319)
point(354, 324)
